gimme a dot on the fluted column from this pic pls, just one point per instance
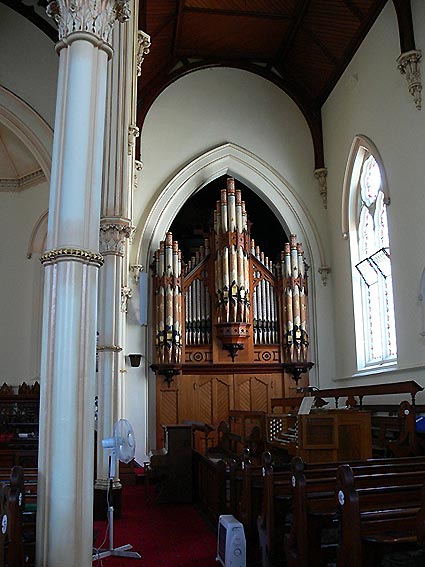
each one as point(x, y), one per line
point(65, 486)
point(115, 230)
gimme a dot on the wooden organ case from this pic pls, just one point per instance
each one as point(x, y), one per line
point(230, 326)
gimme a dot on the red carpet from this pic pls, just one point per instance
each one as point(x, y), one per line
point(165, 535)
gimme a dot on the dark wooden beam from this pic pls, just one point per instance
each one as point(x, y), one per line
point(349, 52)
point(354, 9)
point(209, 54)
point(143, 20)
point(238, 13)
point(403, 10)
point(289, 37)
point(334, 60)
point(178, 26)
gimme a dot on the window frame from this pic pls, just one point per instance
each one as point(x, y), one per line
point(361, 150)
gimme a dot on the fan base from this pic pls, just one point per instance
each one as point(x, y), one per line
point(121, 551)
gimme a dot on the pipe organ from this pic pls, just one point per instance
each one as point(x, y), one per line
point(231, 325)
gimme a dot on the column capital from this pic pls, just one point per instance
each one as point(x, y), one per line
point(95, 17)
point(143, 48)
point(113, 235)
point(408, 64)
point(321, 174)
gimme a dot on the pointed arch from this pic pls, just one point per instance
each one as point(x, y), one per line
point(364, 222)
point(360, 145)
point(233, 160)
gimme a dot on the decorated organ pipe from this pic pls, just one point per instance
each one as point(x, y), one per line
point(232, 268)
point(231, 257)
point(294, 302)
point(168, 287)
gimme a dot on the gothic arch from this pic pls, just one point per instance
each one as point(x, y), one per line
point(353, 161)
point(280, 196)
point(238, 162)
point(37, 136)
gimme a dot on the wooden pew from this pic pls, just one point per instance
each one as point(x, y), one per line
point(210, 478)
point(4, 521)
point(315, 507)
point(379, 518)
point(278, 494)
point(22, 508)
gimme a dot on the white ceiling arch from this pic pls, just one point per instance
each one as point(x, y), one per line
point(37, 137)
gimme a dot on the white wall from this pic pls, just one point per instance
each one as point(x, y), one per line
point(207, 109)
point(20, 286)
point(372, 99)
point(28, 63)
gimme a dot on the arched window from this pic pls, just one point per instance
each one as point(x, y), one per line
point(367, 202)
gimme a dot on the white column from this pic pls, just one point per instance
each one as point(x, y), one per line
point(116, 228)
point(65, 489)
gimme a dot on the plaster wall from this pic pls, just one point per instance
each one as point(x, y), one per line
point(28, 63)
point(211, 108)
point(21, 290)
point(372, 99)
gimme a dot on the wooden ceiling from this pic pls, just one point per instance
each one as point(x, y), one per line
point(303, 46)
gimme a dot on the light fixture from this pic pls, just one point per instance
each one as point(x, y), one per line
point(135, 359)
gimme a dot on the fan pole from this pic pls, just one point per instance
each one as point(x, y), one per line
point(123, 550)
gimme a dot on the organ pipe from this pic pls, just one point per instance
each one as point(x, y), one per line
point(231, 257)
point(168, 285)
point(226, 264)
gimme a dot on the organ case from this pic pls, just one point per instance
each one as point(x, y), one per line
point(230, 325)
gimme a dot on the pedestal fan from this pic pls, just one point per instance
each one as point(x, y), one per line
point(122, 446)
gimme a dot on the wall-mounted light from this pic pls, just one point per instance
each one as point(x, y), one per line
point(135, 359)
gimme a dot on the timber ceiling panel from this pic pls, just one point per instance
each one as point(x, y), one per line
point(303, 46)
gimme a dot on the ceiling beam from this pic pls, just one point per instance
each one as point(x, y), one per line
point(403, 10)
point(354, 9)
point(289, 37)
point(178, 26)
point(350, 51)
point(238, 13)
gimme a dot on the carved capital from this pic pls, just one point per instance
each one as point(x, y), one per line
point(126, 293)
point(321, 174)
point(408, 64)
point(133, 133)
point(324, 271)
point(136, 269)
point(143, 48)
point(112, 237)
point(93, 16)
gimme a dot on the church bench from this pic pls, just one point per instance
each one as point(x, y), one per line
point(375, 520)
point(211, 477)
point(22, 509)
point(315, 506)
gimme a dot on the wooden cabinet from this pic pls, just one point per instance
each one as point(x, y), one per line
point(209, 398)
point(19, 430)
point(334, 435)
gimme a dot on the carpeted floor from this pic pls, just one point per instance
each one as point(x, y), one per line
point(164, 535)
